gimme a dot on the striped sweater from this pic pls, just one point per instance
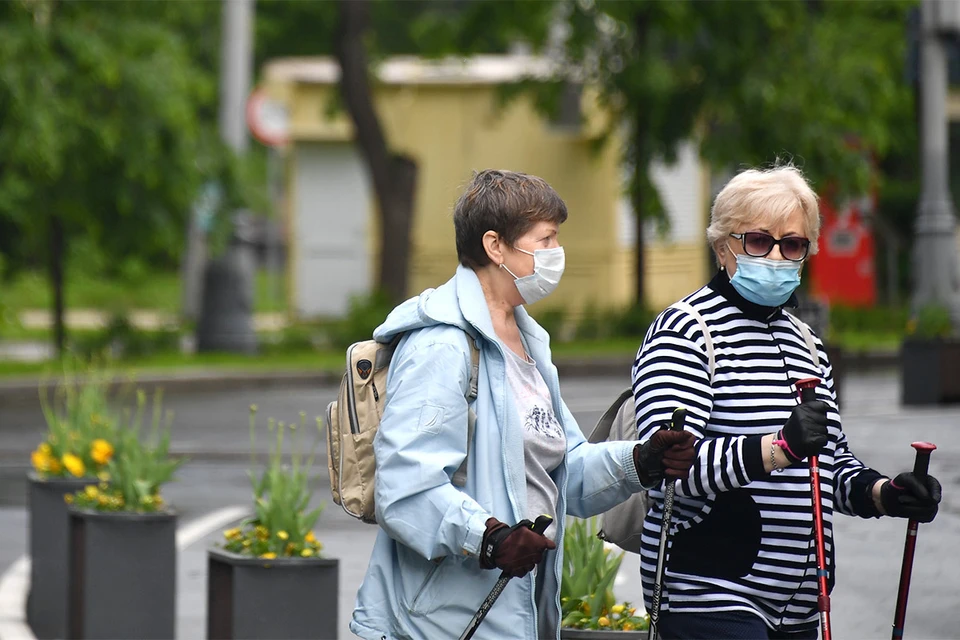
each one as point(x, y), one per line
point(742, 539)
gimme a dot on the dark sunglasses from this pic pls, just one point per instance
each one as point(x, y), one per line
point(758, 245)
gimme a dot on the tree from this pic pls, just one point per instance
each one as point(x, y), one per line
point(363, 31)
point(819, 83)
point(99, 135)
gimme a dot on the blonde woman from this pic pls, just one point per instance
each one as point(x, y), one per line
point(742, 560)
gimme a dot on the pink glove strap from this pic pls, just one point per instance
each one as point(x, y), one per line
point(780, 442)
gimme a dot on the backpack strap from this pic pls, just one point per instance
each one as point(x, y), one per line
point(460, 475)
point(807, 338)
point(686, 307)
point(601, 432)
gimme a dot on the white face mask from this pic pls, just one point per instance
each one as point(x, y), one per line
point(548, 267)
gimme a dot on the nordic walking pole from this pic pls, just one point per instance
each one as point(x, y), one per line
point(808, 393)
point(920, 467)
point(679, 417)
point(538, 527)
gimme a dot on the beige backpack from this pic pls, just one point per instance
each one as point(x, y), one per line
point(354, 417)
point(623, 524)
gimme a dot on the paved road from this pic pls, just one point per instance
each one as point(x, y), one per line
point(213, 427)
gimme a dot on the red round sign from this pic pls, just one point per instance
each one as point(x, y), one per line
point(268, 119)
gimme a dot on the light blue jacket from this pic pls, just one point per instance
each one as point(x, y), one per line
point(424, 580)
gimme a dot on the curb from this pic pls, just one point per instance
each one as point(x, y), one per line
point(25, 390)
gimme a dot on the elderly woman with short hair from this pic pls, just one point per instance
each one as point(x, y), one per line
point(742, 560)
point(441, 538)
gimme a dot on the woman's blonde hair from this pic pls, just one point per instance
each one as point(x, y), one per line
point(764, 194)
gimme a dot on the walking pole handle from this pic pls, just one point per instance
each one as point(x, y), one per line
point(808, 389)
point(921, 464)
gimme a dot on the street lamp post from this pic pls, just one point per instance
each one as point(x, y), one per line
point(227, 308)
point(936, 273)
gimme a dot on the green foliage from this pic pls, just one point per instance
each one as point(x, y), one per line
point(366, 313)
point(881, 319)
point(819, 84)
point(140, 466)
point(586, 586)
point(932, 321)
point(81, 423)
point(281, 526)
point(120, 340)
point(598, 324)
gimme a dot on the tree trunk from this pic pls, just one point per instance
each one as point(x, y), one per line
point(640, 257)
point(394, 176)
point(56, 261)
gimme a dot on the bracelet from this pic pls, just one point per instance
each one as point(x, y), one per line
point(773, 457)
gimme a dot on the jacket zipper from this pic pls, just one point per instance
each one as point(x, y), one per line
point(351, 397)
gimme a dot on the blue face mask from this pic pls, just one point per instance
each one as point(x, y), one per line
point(764, 281)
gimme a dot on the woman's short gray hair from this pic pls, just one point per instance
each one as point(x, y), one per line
point(758, 195)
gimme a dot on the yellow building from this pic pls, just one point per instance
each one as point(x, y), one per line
point(450, 118)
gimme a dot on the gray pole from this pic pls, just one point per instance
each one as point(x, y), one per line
point(936, 275)
point(227, 307)
point(236, 60)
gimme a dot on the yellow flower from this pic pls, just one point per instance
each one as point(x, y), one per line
point(290, 548)
point(310, 537)
point(306, 553)
point(283, 535)
point(104, 476)
point(627, 626)
point(91, 491)
point(603, 621)
point(232, 534)
point(262, 532)
point(247, 542)
point(104, 500)
point(68, 498)
point(54, 466)
point(40, 461)
point(45, 449)
point(73, 464)
point(617, 608)
point(269, 555)
point(631, 611)
point(101, 451)
point(585, 607)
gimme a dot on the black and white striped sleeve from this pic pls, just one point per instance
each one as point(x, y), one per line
point(853, 480)
point(671, 371)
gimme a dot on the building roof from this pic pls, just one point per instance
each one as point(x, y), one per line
point(400, 70)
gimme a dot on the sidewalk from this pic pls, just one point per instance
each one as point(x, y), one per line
point(145, 319)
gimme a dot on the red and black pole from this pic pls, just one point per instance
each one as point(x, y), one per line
point(920, 468)
point(807, 389)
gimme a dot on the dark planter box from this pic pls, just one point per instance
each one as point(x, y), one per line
point(279, 599)
point(123, 575)
point(596, 634)
point(48, 546)
point(930, 371)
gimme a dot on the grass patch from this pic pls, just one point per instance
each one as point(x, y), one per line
point(172, 362)
point(158, 291)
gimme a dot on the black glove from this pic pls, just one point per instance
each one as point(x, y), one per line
point(516, 550)
point(907, 497)
point(805, 432)
point(666, 453)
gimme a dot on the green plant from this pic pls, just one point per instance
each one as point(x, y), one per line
point(81, 424)
point(281, 526)
point(141, 466)
point(366, 313)
point(931, 321)
point(586, 586)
